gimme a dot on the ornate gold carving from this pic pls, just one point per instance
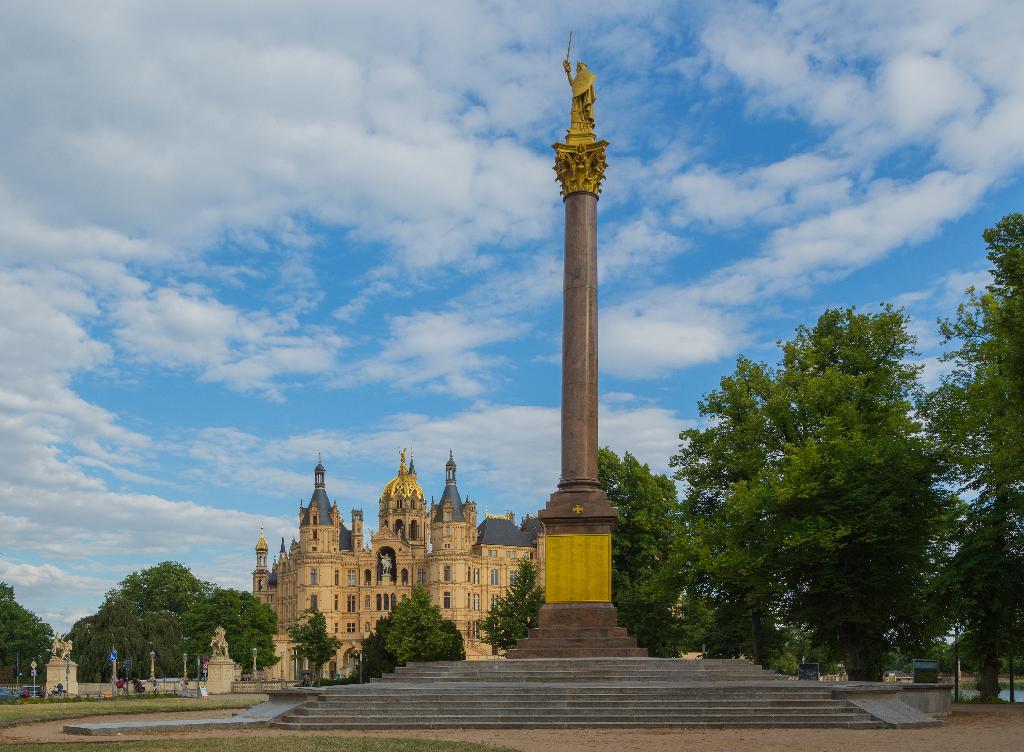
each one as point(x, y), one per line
point(578, 568)
point(404, 485)
point(578, 509)
point(580, 167)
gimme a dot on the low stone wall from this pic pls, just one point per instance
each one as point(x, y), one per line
point(256, 687)
point(933, 699)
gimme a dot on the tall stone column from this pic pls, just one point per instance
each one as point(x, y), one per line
point(578, 618)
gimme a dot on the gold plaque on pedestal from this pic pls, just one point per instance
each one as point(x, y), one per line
point(578, 568)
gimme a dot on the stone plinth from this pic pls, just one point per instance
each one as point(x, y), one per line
point(62, 672)
point(220, 673)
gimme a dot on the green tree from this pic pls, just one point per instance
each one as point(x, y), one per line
point(167, 586)
point(22, 634)
point(117, 625)
point(311, 640)
point(419, 632)
point(838, 529)
point(978, 413)
point(377, 659)
point(645, 586)
point(247, 623)
point(513, 614)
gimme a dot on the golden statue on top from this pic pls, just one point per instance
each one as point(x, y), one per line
point(580, 161)
point(581, 123)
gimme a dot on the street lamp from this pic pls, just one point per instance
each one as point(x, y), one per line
point(67, 673)
point(254, 664)
point(184, 668)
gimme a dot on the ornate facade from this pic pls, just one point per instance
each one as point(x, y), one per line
point(464, 566)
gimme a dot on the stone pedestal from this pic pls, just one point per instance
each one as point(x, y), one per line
point(62, 672)
point(220, 672)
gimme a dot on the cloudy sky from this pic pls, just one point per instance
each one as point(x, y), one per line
point(235, 234)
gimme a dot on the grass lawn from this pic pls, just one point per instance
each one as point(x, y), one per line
point(25, 712)
point(276, 744)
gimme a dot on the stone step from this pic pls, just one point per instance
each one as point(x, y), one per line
point(582, 632)
point(335, 705)
point(462, 723)
point(541, 691)
point(537, 711)
point(593, 651)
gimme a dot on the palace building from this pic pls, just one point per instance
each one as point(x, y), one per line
point(463, 565)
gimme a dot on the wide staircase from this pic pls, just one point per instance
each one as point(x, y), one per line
point(581, 693)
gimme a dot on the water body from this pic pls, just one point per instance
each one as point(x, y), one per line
point(1018, 695)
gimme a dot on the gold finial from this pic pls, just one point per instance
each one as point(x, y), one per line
point(401, 466)
point(580, 162)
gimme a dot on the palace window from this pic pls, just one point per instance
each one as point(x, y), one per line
point(350, 627)
point(405, 576)
point(422, 576)
point(335, 602)
point(352, 578)
point(468, 600)
point(366, 627)
point(447, 599)
point(312, 577)
point(387, 602)
point(494, 599)
point(476, 576)
point(366, 602)
point(491, 552)
point(511, 577)
point(312, 602)
point(494, 577)
point(379, 602)
point(314, 530)
point(367, 577)
point(335, 627)
point(336, 580)
point(476, 601)
point(447, 531)
point(351, 603)
point(447, 573)
point(447, 516)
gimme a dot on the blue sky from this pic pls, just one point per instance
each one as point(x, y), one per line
point(233, 235)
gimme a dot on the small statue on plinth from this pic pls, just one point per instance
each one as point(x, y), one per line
point(60, 648)
point(219, 643)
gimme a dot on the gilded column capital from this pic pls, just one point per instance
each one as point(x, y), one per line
point(580, 167)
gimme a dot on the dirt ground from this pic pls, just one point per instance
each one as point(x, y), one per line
point(987, 728)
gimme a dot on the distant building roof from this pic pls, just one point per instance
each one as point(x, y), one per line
point(500, 531)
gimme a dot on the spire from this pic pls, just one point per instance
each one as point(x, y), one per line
point(412, 463)
point(318, 473)
point(449, 470)
point(282, 545)
point(261, 544)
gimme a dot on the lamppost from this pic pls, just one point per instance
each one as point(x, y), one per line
point(254, 664)
point(152, 665)
point(67, 673)
point(184, 669)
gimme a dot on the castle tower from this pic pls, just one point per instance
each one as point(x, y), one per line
point(402, 507)
point(450, 528)
point(261, 573)
point(320, 525)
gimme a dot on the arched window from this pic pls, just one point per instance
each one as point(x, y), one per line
point(405, 577)
point(387, 602)
point(414, 530)
point(400, 504)
point(379, 602)
point(400, 528)
point(394, 600)
point(366, 603)
point(367, 577)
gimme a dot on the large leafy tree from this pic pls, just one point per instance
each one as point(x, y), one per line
point(168, 586)
point(978, 411)
point(312, 642)
point(247, 623)
point(513, 614)
point(644, 586)
point(377, 659)
point(118, 626)
point(22, 634)
point(828, 500)
point(419, 632)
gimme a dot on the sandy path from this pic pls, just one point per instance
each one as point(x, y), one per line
point(998, 728)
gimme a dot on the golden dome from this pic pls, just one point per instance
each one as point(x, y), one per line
point(261, 544)
point(404, 485)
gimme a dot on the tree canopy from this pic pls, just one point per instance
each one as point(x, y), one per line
point(814, 495)
point(377, 659)
point(312, 643)
point(167, 586)
point(247, 623)
point(515, 612)
point(978, 415)
point(22, 633)
point(419, 632)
